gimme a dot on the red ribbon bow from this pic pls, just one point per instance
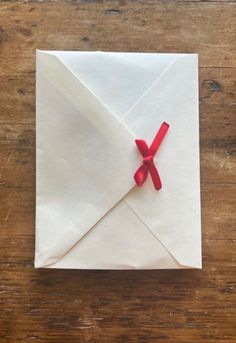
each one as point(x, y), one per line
point(148, 153)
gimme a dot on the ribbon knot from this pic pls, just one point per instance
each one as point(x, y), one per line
point(148, 154)
point(148, 160)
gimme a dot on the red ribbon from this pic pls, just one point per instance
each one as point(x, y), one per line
point(148, 153)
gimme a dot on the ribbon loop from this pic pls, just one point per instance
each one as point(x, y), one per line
point(147, 153)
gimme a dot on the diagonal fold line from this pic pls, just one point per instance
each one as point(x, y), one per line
point(114, 132)
point(85, 100)
point(151, 232)
point(43, 255)
point(155, 82)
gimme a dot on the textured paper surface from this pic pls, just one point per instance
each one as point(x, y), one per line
point(89, 213)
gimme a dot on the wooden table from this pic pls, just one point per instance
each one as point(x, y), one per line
point(117, 306)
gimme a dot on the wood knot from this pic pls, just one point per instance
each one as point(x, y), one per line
point(212, 85)
point(113, 12)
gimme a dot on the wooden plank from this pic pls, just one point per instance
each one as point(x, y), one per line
point(206, 28)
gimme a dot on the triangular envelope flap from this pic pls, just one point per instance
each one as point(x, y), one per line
point(119, 241)
point(173, 214)
point(84, 163)
point(118, 79)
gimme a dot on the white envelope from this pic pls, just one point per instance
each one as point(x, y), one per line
point(90, 108)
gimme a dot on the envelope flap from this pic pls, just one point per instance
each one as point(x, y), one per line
point(173, 214)
point(81, 149)
point(118, 79)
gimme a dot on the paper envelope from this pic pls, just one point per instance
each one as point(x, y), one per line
point(90, 108)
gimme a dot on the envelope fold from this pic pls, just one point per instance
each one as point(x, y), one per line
point(173, 215)
point(119, 80)
point(120, 231)
point(97, 165)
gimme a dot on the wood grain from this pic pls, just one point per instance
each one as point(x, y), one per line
point(118, 306)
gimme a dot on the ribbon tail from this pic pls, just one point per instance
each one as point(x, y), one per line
point(155, 176)
point(159, 138)
point(142, 147)
point(141, 175)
